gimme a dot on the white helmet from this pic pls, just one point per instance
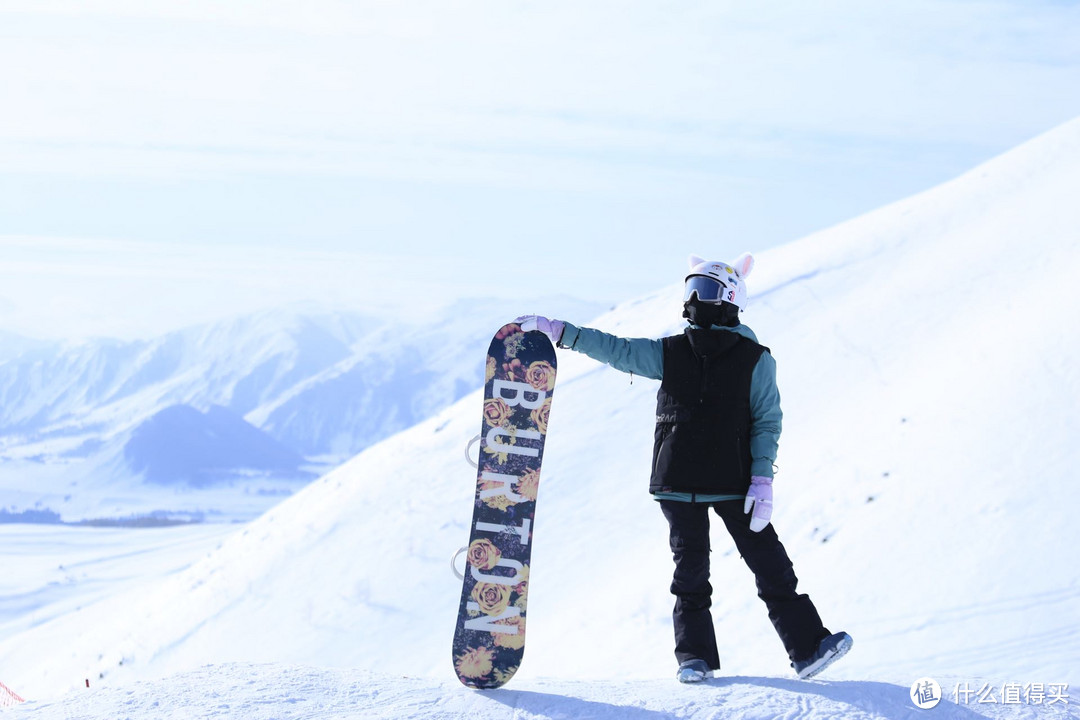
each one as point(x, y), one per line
point(717, 282)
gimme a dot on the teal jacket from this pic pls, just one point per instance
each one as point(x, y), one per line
point(645, 357)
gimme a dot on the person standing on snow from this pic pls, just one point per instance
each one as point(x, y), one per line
point(717, 430)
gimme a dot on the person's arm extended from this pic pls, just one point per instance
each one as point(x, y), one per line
point(640, 356)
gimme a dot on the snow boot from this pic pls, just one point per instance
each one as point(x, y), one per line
point(692, 671)
point(829, 651)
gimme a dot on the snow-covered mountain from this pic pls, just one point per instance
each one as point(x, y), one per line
point(926, 489)
point(302, 392)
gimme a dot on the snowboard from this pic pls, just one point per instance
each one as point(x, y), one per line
point(489, 640)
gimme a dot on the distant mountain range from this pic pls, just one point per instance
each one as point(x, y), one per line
point(277, 395)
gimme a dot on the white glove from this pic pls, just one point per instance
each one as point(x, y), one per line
point(552, 328)
point(759, 499)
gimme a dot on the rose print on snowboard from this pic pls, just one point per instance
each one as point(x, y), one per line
point(489, 640)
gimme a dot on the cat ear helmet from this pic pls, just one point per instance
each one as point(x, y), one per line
point(718, 282)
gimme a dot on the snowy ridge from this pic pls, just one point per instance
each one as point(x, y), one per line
point(927, 478)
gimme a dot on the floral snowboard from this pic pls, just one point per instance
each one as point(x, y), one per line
point(490, 637)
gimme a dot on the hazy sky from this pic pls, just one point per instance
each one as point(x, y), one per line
point(163, 163)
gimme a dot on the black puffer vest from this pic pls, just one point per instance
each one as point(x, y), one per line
point(702, 442)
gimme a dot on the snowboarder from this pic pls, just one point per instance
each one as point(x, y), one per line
point(717, 430)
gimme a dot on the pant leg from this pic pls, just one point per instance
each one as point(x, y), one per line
point(792, 614)
point(695, 637)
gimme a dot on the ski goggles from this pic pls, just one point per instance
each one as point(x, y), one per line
point(706, 288)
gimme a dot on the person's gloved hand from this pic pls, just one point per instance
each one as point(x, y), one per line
point(552, 328)
point(759, 499)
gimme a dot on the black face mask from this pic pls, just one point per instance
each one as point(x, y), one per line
point(706, 315)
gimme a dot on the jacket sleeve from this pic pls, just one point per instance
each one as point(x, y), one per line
point(765, 416)
point(640, 356)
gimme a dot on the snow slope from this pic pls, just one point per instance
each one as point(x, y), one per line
point(50, 571)
point(928, 367)
point(285, 692)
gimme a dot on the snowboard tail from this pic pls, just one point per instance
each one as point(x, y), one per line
point(489, 640)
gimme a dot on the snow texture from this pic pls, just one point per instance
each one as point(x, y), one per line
point(283, 692)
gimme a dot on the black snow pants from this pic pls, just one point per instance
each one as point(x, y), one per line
point(793, 615)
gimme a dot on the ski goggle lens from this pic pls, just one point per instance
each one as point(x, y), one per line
point(706, 288)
